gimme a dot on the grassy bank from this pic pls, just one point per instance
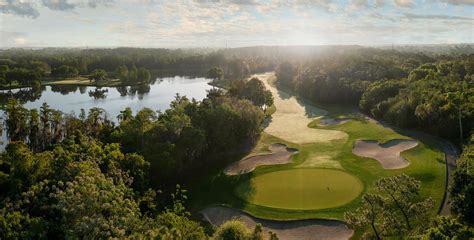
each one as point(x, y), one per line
point(82, 81)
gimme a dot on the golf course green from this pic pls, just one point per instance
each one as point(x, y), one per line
point(301, 189)
point(324, 179)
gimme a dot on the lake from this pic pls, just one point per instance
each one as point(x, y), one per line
point(156, 96)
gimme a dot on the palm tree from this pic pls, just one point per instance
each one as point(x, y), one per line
point(57, 126)
point(16, 120)
point(45, 116)
point(95, 120)
point(34, 130)
point(125, 115)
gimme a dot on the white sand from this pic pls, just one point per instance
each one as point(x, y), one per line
point(299, 229)
point(280, 154)
point(388, 154)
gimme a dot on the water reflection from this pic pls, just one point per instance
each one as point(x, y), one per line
point(64, 89)
point(24, 95)
point(157, 95)
point(98, 93)
point(67, 98)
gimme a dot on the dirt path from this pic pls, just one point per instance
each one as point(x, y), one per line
point(291, 119)
point(388, 154)
point(298, 229)
point(280, 154)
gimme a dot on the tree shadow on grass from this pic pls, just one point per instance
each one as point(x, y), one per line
point(424, 177)
point(228, 190)
point(267, 121)
point(282, 93)
point(245, 190)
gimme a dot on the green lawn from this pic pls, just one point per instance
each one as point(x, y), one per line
point(301, 189)
point(426, 164)
point(83, 81)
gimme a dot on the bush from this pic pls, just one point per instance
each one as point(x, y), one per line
point(232, 230)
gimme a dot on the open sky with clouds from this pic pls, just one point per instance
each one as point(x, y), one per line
point(233, 23)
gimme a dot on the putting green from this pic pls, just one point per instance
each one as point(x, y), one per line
point(301, 189)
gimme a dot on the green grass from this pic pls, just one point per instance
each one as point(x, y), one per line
point(83, 81)
point(426, 160)
point(76, 81)
point(426, 164)
point(301, 189)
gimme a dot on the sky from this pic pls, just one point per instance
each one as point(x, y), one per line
point(233, 23)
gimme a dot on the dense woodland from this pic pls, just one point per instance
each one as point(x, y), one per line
point(22, 67)
point(67, 176)
point(411, 90)
point(86, 176)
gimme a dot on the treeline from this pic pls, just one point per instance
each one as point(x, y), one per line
point(131, 65)
point(410, 90)
point(40, 129)
point(462, 187)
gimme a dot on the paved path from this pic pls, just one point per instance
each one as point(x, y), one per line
point(451, 155)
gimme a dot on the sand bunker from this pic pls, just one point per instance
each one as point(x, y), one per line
point(299, 229)
point(388, 154)
point(280, 154)
point(291, 119)
point(332, 121)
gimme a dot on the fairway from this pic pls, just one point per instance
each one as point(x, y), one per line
point(290, 121)
point(301, 189)
point(326, 178)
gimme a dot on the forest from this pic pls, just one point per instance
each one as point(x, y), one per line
point(432, 93)
point(132, 66)
point(58, 167)
point(86, 176)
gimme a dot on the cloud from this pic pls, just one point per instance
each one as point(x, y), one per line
point(19, 41)
point(359, 3)
point(460, 2)
point(238, 2)
point(265, 6)
point(405, 3)
point(379, 3)
point(12, 38)
point(95, 3)
point(245, 22)
point(58, 5)
point(28, 8)
point(436, 17)
point(24, 9)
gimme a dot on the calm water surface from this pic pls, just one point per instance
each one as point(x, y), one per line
point(156, 96)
